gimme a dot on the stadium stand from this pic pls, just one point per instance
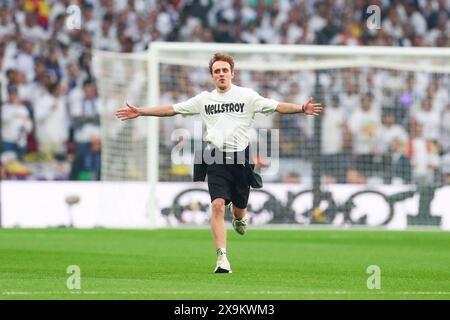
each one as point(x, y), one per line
point(50, 111)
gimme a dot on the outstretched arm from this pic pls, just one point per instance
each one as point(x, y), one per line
point(131, 112)
point(309, 107)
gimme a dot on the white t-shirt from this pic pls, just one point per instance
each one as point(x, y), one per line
point(430, 121)
point(332, 132)
point(16, 123)
point(364, 125)
point(228, 116)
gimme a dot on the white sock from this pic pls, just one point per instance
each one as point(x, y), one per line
point(221, 251)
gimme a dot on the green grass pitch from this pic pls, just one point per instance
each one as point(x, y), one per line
point(267, 264)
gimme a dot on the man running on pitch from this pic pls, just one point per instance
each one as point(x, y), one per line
point(228, 113)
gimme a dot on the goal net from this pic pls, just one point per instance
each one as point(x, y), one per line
point(386, 118)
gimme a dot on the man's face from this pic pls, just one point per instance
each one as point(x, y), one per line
point(89, 91)
point(222, 75)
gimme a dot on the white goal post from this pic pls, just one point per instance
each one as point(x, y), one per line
point(135, 150)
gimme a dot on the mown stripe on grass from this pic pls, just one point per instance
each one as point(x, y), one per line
point(224, 292)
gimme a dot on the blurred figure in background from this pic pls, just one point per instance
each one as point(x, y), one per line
point(390, 131)
point(398, 166)
point(85, 125)
point(429, 120)
point(445, 167)
point(444, 136)
point(16, 124)
point(364, 125)
point(24, 58)
point(51, 119)
point(334, 132)
point(423, 154)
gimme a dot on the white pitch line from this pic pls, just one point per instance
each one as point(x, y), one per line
point(75, 292)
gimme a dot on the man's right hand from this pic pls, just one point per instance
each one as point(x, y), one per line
point(127, 113)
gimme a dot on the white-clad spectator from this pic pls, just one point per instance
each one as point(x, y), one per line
point(350, 97)
point(32, 30)
point(238, 10)
point(90, 22)
point(300, 95)
point(26, 90)
point(308, 35)
point(441, 28)
point(200, 34)
point(73, 79)
point(364, 125)
point(307, 79)
point(51, 119)
point(53, 66)
point(444, 137)
point(428, 119)
point(294, 29)
point(423, 154)
point(126, 23)
point(397, 165)
point(368, 84)
point(16, 125)
point(84, 112)
point(406, 100)
point(7, 26)
point(118, 5)
point(24, 59)
point(167, 18)
point(416, 19)
point(106, 36)
point(190, 24)
point(392, 25)
point(64, 56)
point(42, 81)
point(247, 13)
point(58, 8)
point(57, 29)
point(318, 21)
point(390, 131)
point(250, 34)
point(3, 78)
point(439, 93)
point(268, 30)
point(445, 168)
point(438, 7)
point(132, 14)
point(85, 119)
point(106, 7)
point(334, 131)
point(393, 81)
point(279, 12)
point(141, 36)
point(428, 9)
point(408, 34)
point(8, 78)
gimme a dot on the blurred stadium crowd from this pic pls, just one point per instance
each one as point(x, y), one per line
point(394, 126)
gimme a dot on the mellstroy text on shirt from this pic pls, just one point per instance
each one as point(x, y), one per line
point(224, 107)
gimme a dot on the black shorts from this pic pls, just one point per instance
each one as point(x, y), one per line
point(229, 182)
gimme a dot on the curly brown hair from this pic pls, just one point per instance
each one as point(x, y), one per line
point(219, 56)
